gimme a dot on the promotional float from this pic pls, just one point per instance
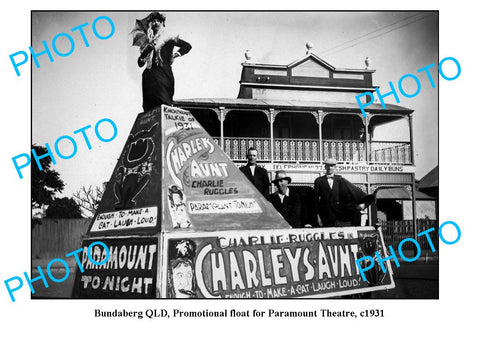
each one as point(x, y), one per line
point(181, 221)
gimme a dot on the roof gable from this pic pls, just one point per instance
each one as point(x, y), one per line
point(311, 59)
point(310, 67)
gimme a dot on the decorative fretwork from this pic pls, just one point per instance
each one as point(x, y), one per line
point(361, 151)
point(390, 152)
point(260, 150)
point(362, 187)
point(227, 146)
point(340, 147)
point(300, 151)
point(236, 150)
point(314, 151)
point(293, 151)
point(344, 150)
point(266, 149)
point(307, 150)
point(243, 147)
point(271, 115)
point(326, 152)
point(277, 151)
point(285, 151)
point(348, 155)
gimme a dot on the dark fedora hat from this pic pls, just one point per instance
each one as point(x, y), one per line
point(281, 174)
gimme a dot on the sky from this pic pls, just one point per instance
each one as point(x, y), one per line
point(104, 81)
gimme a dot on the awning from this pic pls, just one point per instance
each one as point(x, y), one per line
point(393, 194)
point(402, 194)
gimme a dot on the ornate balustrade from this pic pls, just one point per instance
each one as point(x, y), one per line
point(344, 150)
point(390, 152)
point(293, 150)
point(236, 147)
point(307, 150)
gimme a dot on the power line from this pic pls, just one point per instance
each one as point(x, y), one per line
point(378, 29)
point(323, 54)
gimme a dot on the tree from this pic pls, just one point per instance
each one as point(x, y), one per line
point(63, 208)
point(46, 182)
point(89, 198)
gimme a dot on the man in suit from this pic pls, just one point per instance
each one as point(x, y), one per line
point(337, 199)
point(257, 175)
point(286, 202)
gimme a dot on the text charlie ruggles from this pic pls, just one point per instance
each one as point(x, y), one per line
point(86, 254)
point(155, 313)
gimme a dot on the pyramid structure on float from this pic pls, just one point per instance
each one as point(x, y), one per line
point(172, 175)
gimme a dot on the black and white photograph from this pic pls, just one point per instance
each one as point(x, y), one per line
point(288, 115)
point(277, 167)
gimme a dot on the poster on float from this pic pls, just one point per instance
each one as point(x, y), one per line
point(269, 264)
point(125, 268)
point(203, 189)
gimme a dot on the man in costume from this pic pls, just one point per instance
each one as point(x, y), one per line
point(285, 201)
point(157, 51)
point(337, 199)
point(257, 175)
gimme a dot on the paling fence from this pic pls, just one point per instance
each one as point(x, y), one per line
point(54, 238)
point(396, 231)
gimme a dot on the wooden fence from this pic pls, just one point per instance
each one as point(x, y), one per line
point(396, 231)
point(56, 237)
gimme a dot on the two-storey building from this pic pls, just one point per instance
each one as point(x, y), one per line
point(299, 114)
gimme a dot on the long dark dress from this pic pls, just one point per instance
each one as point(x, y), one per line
point(158, 83)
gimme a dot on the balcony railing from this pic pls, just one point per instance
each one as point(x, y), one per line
point(390, 152)
point(344, 150)
point(293, 150)
point(307, 150)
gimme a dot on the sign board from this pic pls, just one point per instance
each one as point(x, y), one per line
point(125, 219)
point(271, 263)
point(129, 272)
point(131, 201)
point(342, 168)
point(202, 188)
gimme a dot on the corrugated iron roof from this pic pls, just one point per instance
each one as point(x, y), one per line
point(402, 194)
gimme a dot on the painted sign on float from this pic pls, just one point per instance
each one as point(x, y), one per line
point(271, 263)
point(131, 201)
point(126, 219)
point(130, 272)
point(202, 188)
